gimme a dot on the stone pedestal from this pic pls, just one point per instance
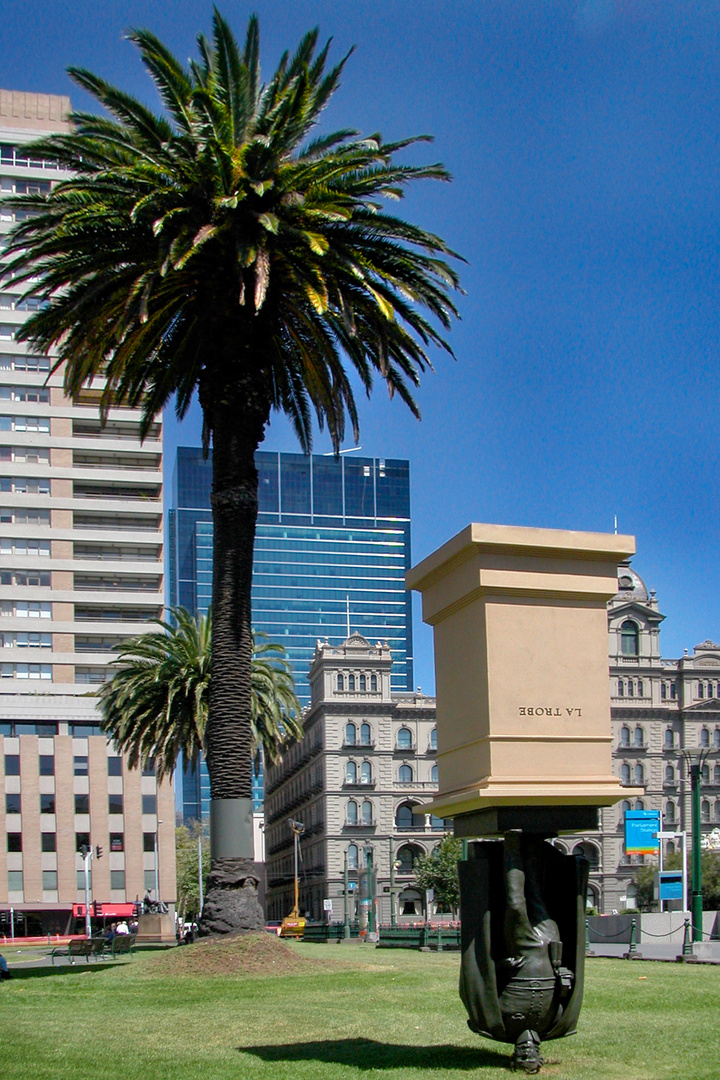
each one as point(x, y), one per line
point(156, 929)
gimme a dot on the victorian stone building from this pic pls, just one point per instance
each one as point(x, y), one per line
point(358, 782)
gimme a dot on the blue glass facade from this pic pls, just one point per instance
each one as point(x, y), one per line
point(332, 548)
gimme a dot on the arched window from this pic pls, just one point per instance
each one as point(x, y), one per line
point(716, 775)
point(405, 774)
point(705, 810)
point(407, 856)
point(350, 734)
point(340, 682)
point(624, 736)
point(624, 807)
point(434, 774)
point(365, 734)
point(716, 738)
point(363, 682)
point(640, 688)
point(673, 691)
point(352, 813)
point(701, 690)
point(704, 737)
point(373, 683)
point(629, 636)
point(638, 774)
point(625, 774)
point(366, 773)
point(367, 813)
point(621, 688)
point(663, 691)
point(437, 822)
point(404, 817)
point(639, 804)
point(351, 682)
point(639, 737)
point(631, 688)
point(352, 857)
point(717, 809)
point(669, 738)
point(670, 811)
point(706, 774)
point(669, 774)
point(433, 739)
point(670, 849)
point(404, 739)
point(351, 773)
point(589, 852)
point(710, 689)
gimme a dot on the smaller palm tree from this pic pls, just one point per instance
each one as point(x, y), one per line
point(155, 707)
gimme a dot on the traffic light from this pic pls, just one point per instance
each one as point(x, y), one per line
point(98, 852)
point(84, 850)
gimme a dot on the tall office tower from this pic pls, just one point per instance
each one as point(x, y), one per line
point(331, 551)
point(81, 550)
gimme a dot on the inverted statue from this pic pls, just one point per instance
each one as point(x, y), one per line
point(522, 907)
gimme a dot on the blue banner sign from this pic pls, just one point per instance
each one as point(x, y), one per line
point(641, 829)
point(670, 885)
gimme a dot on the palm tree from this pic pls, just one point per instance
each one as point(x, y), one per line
point(155, 707)
point(219, 249)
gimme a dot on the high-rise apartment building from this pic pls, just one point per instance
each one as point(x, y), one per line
point(81, 567)
point(331, 551)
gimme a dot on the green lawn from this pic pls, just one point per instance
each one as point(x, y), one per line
point(356, 1011)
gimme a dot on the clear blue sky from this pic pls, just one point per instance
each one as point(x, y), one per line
point(583, 137)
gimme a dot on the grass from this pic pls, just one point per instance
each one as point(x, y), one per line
point(354, 1013)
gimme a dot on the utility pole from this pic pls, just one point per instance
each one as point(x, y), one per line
point(346, 900)
point(87, 854)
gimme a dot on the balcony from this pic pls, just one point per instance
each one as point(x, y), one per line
point(369, 745)
point(365, 784)
point(360, 824)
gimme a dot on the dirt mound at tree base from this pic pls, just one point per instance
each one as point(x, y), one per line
point(236, 954)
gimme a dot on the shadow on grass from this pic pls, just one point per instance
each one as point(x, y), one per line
point(368, 1054)
point(19, 974)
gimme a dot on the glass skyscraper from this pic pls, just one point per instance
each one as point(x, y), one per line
point(331, 551)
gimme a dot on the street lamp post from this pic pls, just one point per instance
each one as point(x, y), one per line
point(393, 897)
point(346, 900)
point(157, 864)
point(694, 765)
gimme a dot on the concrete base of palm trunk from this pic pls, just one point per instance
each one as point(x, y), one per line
point(231, 900)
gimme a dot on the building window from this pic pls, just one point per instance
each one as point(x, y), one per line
point(365, 734)
point(706, 774)
point(640, 688)
point(352, 854)
point(82, 804)
point(629, 636)
point(705, 810)
point(663, 691)
point(351, 773)
point(352, 813)
point(670, 811)
point(433, 739)
point(47, 804)
point(639, 804)
point(669, 774)
point(47, 764)
point(117, 880)
point(638, 775)
point(716, 775)
point(351, 682)
point(117, 841)
point(350, 734)
point(716, 738)
point(149, 841)
point(624, 736)
point(13, 803)
point(434, 774)
point(437, 823)
point(639, 737)
point(404, 817)
point(82, 840)
point(80, 764)
point(621, 688)
point(625, 774)
point(589, 852)
point(49, 880)
point(373, 683)
point(669, 739)
point(14, 841)
point(407, 856)
point(340, 682)
point(80, 878)
point(114, 766)
point(404, 739)
point(709, 689)
point(704, 737)
point(115, 804)
point(700, 690)
point(366, 773)
point(367, 813)
point(149, 880)
point(149, 804)
point(717, 809)
point(363, 682)
point(405, 774)
point(12, 764)
point(48, 841)
point(15, 881)
point(673, 691)
point(631, 688)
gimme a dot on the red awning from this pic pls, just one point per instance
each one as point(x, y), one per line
point(115, 911)
point(78, 911)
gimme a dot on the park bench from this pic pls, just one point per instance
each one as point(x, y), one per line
point(121, 945)
point(76, 947)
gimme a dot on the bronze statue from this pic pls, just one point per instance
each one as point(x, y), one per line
point(522, 908)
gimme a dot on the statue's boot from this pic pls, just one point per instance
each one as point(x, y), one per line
point(526, 1055)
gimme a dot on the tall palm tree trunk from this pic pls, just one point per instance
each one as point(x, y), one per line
point(231, 902)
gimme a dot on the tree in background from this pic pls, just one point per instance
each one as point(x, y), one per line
point(155, 707)
point(439, 871)
point(187, 867)
point(220, 249)
point(645, 880)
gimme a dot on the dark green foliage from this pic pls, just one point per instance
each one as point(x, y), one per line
point(439, 871)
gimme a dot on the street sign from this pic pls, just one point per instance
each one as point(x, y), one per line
point(670, 885)
point(641, 829)
point(327, 905)
point(352, 886)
